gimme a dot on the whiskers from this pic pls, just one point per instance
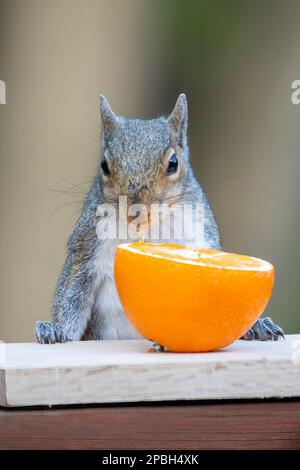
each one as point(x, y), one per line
point(75, 192)
point(111, 198)
point(181, 197)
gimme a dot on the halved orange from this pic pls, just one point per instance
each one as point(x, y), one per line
point(191, 300)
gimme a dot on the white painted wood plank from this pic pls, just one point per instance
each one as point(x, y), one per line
point(125, 371)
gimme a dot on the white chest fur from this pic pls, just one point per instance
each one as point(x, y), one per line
point(109, 319)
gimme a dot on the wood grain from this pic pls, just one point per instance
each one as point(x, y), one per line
point(196, 425)
point(125, 371)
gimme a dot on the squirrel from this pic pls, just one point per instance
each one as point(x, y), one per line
point(145, 160)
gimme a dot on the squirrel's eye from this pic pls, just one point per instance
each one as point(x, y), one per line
point(173, 165)
point(104, 167)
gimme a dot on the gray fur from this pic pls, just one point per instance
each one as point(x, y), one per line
point(86, 304)
point(264, 330)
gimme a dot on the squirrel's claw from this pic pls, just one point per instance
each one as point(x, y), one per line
point(157, 347)
point(264, 329)
point(49, 333)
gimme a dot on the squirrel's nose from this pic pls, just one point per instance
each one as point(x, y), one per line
point(136, 193)
point(131, 189)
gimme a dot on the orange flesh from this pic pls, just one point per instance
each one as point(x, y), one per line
point(191, 300)
point(208, 257)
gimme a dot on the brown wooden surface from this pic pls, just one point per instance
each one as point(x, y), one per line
point(218, 425)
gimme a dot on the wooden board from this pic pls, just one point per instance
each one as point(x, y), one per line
point(125, 371)
point(188, 425)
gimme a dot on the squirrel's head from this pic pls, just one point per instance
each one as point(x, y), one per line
point(145, 160)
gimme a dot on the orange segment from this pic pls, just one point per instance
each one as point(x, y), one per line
point(191, 300)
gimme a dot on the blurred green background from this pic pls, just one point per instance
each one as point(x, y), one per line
point(235, 60)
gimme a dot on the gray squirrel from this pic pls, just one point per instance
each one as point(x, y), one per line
point(146, 160)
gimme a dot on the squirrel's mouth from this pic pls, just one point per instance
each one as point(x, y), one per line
point(139, 221)
point(140, 226)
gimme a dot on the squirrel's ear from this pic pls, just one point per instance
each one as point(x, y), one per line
point(178, 119)
point(109, 120)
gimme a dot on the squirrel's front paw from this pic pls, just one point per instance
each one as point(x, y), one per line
point(264, 330)
point(49, 333)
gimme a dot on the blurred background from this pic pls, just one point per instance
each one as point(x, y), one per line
point(235, 60)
